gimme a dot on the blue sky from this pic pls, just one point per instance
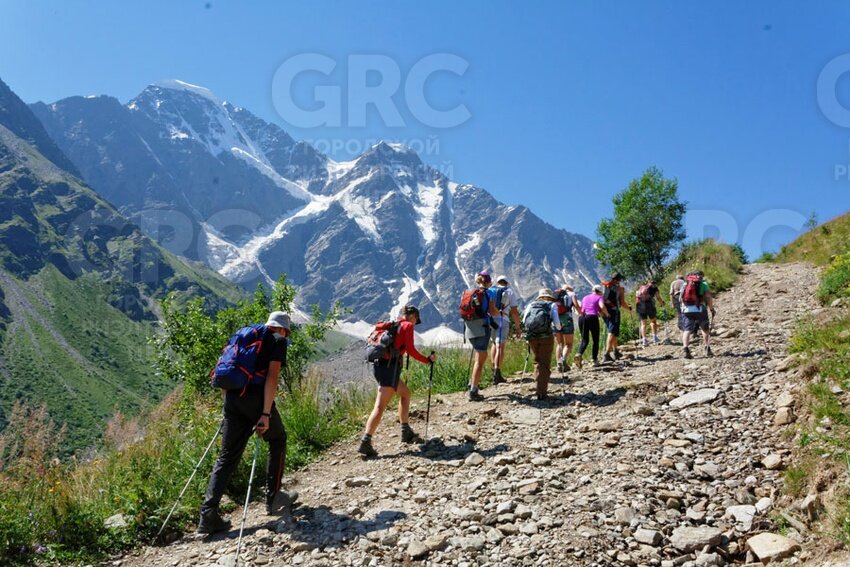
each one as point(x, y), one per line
point(566, 102)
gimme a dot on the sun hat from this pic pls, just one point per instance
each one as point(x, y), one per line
point(597, 288)
point(502, 278)
point(412, 309)
point(545, 292)
point(278, 319)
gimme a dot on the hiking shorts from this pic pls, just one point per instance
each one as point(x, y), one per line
point(479, 344)
point(612, 323)
point(500, 335)
point(692, 322)
point(646, 311)
point(568, 326)
point(388, 373)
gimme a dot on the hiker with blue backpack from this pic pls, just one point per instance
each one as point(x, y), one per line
point(248, 372)
point(505, 301)
point(479, 317)
point(388, 344)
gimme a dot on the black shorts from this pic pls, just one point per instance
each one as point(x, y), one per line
point(388, 373)
point(693, 322)
point(612, 323)
point(646, 311)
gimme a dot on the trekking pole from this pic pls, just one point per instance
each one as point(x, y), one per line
point(428, 407)
point(247, 499)
point(188, 482)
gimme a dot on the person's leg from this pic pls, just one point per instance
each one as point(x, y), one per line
point(584, 329)
point(385, 394)
point(543, 365)
point(642, 329)
point(235, 433)
point(568, 349)
point(559, 348)
point(480, 358)
point(404, 402)
point(593, 323)
point(654, 323)
point(275, 466)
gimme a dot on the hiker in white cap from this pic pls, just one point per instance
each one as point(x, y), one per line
point(540, 320)
point(504, 299)
point(251, 409)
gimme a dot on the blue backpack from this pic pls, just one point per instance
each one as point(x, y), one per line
point(237, 365)
point(500, 291)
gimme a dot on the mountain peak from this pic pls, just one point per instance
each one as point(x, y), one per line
point(178, 85)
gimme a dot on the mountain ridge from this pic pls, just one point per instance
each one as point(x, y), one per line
point(246, 198)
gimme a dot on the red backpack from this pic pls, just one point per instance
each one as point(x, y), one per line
point(381, 341)
point(692, 292)
point(472, 304)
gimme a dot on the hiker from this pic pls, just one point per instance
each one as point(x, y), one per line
point(252, 409)
point(676, 287)
point(504, 300)
point(592, 305)
point(478, 330)
point(646, 296)
point(696, 302)
point(615, 297)
point(565, 301)
point(388, 375)
point(539, 318)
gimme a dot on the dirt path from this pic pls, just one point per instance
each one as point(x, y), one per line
point(662, 461)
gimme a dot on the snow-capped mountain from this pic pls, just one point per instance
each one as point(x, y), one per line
point(212, 181)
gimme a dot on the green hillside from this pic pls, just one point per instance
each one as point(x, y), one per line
point(820, 244)
point(79, 291)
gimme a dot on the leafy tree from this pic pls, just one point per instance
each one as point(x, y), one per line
point(647, 225)
point(191, 339)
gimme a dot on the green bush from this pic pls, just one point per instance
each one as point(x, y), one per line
point(835, 282)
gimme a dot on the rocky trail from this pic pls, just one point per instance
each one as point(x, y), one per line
point(657, 461)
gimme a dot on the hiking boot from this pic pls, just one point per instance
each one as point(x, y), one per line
point(608, 358)
point(212, 522)
point(687, 353)
point(644, 342)
point(577, 361)
point(281, 502)
point(566, 366)
point(410, 436)
point(595, 363)
point(560, 366)
point(497, 377)
point(617, 354)
point(366, 449)
point(708, 352)
point(475, 396)
point(656, 340)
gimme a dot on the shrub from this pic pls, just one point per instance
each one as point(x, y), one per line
point(835, 282)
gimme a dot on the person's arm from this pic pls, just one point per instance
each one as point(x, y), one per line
point(553, 314)
point(515, 317)
point(409, 348)
point(269, 393)
point(709, 301)
point(658, 296)
point(602, 308)
point(623, 302)
point(576, 304)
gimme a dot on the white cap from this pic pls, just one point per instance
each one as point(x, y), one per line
point(502, 278)
point(278, 319)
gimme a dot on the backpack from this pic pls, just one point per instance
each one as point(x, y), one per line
point(692, 292)
point(565, 302)
point(500, 291)
point(643, 293)
point(611, 296)
point(236, 367)
point(472, 304)
point(538, 320)
point(381, 340)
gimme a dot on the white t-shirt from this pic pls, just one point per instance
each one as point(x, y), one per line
point(508, 300)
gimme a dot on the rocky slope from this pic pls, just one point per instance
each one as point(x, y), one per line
point(657, 461)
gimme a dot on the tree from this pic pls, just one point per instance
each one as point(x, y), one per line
point(647, 225)
point(191, 339)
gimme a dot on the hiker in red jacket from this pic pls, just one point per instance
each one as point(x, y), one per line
point(388, 375)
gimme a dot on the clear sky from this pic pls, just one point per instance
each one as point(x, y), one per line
point(561, 104)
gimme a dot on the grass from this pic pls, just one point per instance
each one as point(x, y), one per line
point(820, 244)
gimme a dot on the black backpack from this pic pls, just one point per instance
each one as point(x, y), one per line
point(538, 320)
